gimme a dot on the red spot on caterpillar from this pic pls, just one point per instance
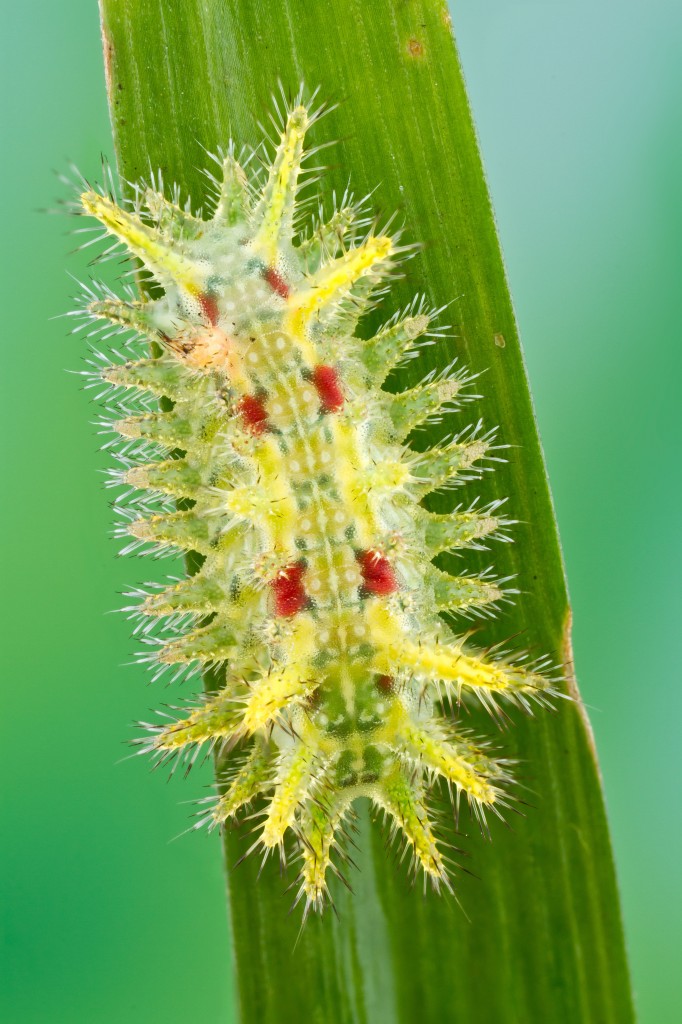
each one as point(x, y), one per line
point(254, 414)
point(377, 575)
point(326, 381)
point(290, 595)
point(276, 282)
point(384, 683)
point(209, 307)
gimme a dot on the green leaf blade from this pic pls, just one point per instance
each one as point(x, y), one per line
point(538, 937)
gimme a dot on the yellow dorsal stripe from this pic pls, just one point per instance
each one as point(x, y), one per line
point(273, 216)
point(318, 830)
point(403, 798)
point(451, 665)
point(453, 766)
point(293, 783)
point(162, 260)
point(272, 695)
point(334, 281)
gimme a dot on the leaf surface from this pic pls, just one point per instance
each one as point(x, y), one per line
point(536, 936)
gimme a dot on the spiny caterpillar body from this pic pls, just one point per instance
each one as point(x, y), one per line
point(261, 439)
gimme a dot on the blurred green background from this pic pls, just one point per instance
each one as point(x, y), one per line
point(104, 918)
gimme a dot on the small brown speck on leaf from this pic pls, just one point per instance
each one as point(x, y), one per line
point(108, 48)
point(415, 48)
point(499, 340)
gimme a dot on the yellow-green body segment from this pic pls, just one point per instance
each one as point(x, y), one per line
point(275, 455)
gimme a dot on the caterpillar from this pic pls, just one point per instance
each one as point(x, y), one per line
point(258, 437)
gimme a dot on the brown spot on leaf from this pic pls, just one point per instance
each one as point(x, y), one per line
point(108, 49)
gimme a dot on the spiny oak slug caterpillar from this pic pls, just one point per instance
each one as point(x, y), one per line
point(260, 438)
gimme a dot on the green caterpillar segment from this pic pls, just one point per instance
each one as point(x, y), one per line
point(207, 645)
point(184, 531)
point(201, 594)
point(272, 219)
point(463, 529)
point(316, 603)
point(327, 239)
point(387, 348)
point(252, 778)
point(177, 477)
point(163, 377)
point(318, 832)
point(461, 764)
point(136, 315)
point(413, 408)
point(232, 203)
point(214, 721)
point(294, 780)
point(169, 219)
point(441, 466)
point(403, 796)
point(162, 259)
point(325, 291)
point(461, 593)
